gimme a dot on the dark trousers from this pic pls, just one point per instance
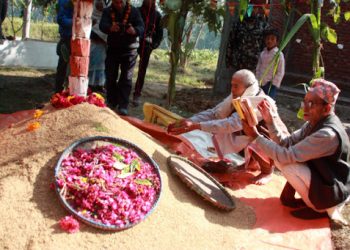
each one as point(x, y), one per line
point(270, 90)
point(143, 64)
point(63, 52)
point(3, 11)
point(118, 90)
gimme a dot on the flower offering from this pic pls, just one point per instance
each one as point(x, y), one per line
point(109, 184)
point(65, 100)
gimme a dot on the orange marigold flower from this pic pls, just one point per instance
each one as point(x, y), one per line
point(99, 96)
point(38, 113)
point(70, 97)
point(33, 126)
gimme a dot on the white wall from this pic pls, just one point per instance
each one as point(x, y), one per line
point(29, 53)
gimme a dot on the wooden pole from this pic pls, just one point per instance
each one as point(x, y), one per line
point(80, 48)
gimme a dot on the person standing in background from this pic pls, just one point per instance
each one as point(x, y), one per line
point(123, 25)
point(98, 48)
point(151, 39)
point(270, 81)
point(65, 22)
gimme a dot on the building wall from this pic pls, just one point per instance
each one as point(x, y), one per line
point(28, 53)
point(299, 55)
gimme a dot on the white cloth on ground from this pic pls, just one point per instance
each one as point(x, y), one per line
point(202, 141)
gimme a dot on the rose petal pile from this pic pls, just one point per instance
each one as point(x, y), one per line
point(69, 224)
point(65, 100)
point(109, 184)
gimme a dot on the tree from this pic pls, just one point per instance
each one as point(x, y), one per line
point(15, 4)
point(176, 13)
point(190, 40)
point(27, 6)
point(26, 18)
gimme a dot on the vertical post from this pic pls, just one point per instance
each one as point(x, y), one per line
point(80, 48)
point(26, 19)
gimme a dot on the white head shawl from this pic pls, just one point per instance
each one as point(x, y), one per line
point(225, 108)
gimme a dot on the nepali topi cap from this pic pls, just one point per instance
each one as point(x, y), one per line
point(326, 90)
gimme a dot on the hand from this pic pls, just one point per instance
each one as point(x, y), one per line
point(266, 111)
point(249, 131)
point(182, 126)
point(130, 30)
point(115, 27)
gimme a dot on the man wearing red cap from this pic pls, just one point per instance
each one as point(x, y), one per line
point(315, 159)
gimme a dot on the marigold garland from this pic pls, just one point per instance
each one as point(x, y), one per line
point(126, 14)
point(65, 100)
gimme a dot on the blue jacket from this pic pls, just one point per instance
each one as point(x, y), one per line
point(65, 18)
point(121, 40)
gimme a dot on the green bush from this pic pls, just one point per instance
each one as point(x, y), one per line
point(44, 31)
point(38, 30)
point(210, 56)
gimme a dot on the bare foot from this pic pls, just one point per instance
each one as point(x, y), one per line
point(262, 179)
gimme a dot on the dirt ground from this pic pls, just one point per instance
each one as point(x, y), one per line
point(20, 90)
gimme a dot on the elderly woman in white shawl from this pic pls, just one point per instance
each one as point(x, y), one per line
point(224, 123)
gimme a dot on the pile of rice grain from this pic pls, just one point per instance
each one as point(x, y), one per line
point(30, 210)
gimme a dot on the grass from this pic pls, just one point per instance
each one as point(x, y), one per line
point(40, 30)
point(201, 68)
point(26, 88)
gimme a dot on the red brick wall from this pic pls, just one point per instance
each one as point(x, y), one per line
point(299, 55)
